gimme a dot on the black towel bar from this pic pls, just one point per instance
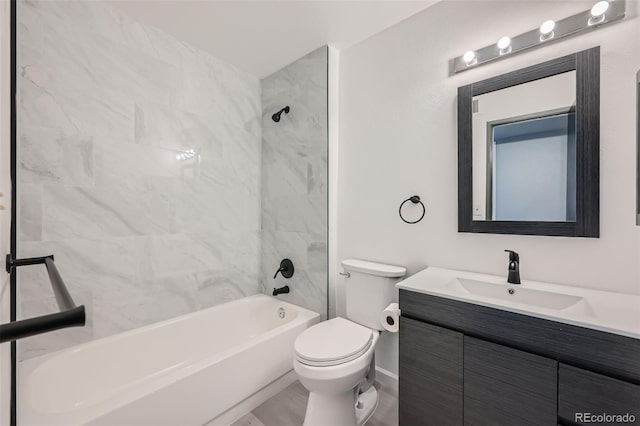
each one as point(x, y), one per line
point(70, 315)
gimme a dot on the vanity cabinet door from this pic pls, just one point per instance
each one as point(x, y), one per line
point(583, 393)
point(430, 391)
point(504, 386)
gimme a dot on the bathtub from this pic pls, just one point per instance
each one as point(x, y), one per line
point(184, 371)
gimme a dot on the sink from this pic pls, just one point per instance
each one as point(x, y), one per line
point(514, 293)
point(600, 310)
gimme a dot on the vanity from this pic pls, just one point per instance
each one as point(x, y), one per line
point(476, 350)
point(479, 349)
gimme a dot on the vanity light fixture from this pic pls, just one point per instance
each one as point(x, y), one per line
point(598, 12)
point(469, 57)
point(602, 12)
point(504, 44)
point(546, 30)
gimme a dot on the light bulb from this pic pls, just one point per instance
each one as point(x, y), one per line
point(547, 27)
point(599, 9)
point(504, 43)
point(469, 56)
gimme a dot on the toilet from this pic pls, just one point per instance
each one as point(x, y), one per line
point(334, 360)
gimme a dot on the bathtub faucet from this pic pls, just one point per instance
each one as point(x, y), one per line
point(281, 290)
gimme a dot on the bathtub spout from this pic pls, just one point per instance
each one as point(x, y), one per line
point(281, 290)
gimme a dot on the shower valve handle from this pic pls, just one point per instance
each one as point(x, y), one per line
point(278, 271)
point(286, 269)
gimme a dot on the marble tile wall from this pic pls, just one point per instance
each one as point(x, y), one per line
point(105, 106)
point(294, 176)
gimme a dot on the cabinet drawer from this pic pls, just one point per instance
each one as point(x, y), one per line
point(430, 375)
point(582, 391)
point(505, 386)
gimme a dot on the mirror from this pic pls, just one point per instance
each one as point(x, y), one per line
point(524, 153)
point(528, 150)
point(638, 148)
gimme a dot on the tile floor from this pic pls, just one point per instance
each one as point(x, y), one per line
point(287, 409)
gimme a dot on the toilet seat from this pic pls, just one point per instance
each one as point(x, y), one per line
point(333, 342)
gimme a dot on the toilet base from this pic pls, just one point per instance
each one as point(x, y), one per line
point(331, 410)
point(341, 409)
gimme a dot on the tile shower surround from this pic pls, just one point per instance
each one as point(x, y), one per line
point(105, 105)
point(294, 180)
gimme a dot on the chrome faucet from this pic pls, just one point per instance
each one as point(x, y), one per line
point(514, 267)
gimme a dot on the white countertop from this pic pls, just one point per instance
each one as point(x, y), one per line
point(611, 312)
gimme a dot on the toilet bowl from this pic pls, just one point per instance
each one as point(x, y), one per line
point(335, 359)
point(334, 362)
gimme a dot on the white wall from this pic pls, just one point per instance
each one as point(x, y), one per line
point(5, 201)
point(398, 138)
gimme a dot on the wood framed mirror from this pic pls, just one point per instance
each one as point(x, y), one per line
point(528, 150)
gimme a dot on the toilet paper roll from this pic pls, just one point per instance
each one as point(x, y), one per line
point(390, 318)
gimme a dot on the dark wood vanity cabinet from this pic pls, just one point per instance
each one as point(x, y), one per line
point(431, 364)
point(504, 386)
point(469, 365)
point(581, 391)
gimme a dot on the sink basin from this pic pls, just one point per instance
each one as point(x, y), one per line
point(600, 310)
point(514, 293)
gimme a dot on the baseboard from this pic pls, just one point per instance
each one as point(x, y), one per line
point(246, 406)
point(387, 379)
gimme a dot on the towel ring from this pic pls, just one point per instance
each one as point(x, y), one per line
point(415, 199)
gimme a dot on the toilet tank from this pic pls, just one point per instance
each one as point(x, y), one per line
point(370, 287)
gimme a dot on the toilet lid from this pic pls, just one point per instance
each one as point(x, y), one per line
point(332, 342)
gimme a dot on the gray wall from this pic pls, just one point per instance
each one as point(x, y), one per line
point(294, 176)
point(105, 105)
point(532, 167)
point(530, 179)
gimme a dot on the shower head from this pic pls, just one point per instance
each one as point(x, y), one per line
point(276, 117)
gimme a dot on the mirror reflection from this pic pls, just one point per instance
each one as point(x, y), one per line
point(524, 152)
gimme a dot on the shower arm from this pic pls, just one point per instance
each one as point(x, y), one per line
point(70, 315)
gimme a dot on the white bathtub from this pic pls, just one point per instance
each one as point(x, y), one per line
point(180, 372)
